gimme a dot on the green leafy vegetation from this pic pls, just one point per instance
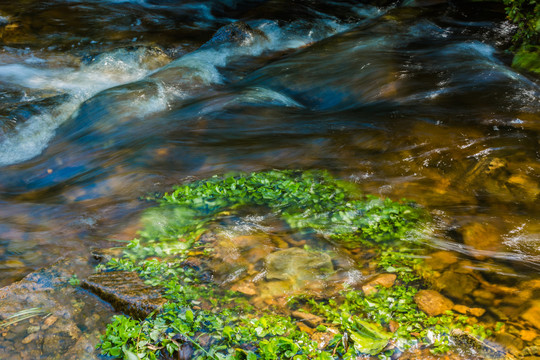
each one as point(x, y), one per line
point(309, 201)
point(526, 15)
point(527, 58)
point(208, 322)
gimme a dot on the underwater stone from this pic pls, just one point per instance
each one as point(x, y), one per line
point(528, 335)
point(62, 328)
point(310, 319)
point(510, 342)
point(462, 309)
point(126, 292)
point(456, 285)
point(324, 338)
point(298, 265)
point(384, 280)
point(532, 314)
point(481, 237)
point(440, 260)
point(432, 303)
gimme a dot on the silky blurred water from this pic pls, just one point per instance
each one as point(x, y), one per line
point(102, 102)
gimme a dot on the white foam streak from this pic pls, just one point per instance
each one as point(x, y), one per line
point(177, 80)
point(31, 137)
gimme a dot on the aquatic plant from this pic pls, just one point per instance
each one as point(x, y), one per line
point(206, 321)
point(307, 201)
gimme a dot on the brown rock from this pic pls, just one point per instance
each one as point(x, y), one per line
point(532, 315)
point(528, 186)
point(457, 285)
point(481, 237)
point(510, 342)
point(518, 299)
point(298, 265)
point(303, 327)
point(324, 338)
point(49, 321)
point(465, 310)
point(528, 335)
point(440, 260)
point(245, 287)
point(48, 290)
point(483, 297)
point(532, 351)
point(432, 303)
point(530, 284)
point(126, 292)
point(477, 311)
point(309, 319)
point(384, 280)
point(393, 325)
point(30, 338)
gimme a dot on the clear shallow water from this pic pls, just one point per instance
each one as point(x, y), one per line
point(102, 102)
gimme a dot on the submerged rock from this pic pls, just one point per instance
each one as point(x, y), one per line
point(532, 314)
point(465, 310)
point(44, 317)
point(384, 280)
point(309, 319)
point(298, 265)
point(456, 285)
point(510, 342)
point(481, 237)
point(440, 260)
point(126, 292)
point(295, 270)
point(432, 303)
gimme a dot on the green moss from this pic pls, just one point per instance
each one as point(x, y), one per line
point(220, 324)
point(527, 58)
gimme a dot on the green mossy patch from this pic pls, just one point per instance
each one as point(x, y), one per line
point(202, 320)
point(527, 58)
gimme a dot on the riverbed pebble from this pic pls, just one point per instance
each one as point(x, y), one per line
point(384, 280)
point(532, 314)
point(432, 302)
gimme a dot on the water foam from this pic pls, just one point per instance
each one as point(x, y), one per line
point(107, 70)
point(176, 81)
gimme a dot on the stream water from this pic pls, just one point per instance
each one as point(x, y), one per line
point(105, 101)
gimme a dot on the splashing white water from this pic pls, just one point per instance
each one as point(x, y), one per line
point(107, 70)
point(175, 81)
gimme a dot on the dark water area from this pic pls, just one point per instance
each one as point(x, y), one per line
point(102, 102)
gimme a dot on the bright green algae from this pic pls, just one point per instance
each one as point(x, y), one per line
point(219, 324)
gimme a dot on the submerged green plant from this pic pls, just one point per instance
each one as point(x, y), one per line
point(212, 323)
point(307, 201)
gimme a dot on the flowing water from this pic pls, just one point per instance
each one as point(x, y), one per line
point(105, 101)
